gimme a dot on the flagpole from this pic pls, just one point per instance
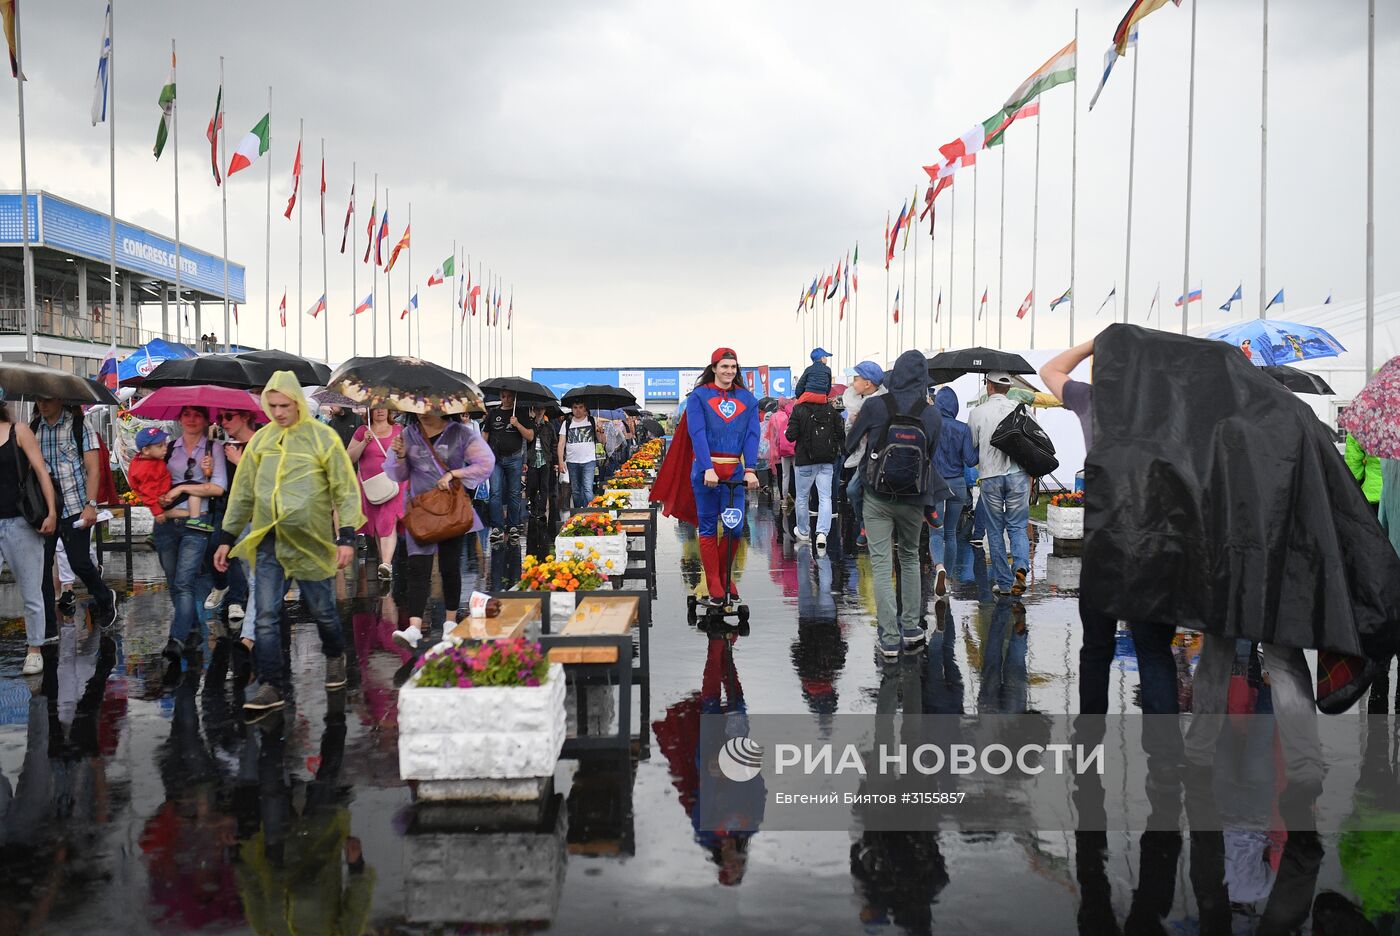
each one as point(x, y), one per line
point(175, 129)
point(1035, 229)
point(1073, 180)
point(932, 277)
point(388, 284)
point(974, 256)
point(408, 319)
point(354, 252)
point(480, 349)
point(1370, 188)
point(886, 250)
point(1132, 153)
point(952, 251)
point(223, 199)
point(301, 228)
point(374, 273)
point(914, 306)
point(267, 279)
point(451, 320)
point(27, 259)
point(900, 326)
point(1190, 139)
point(325, 279)
point(1263, 167)
point(111, 164)
point(1001, 243)
point(466, 325)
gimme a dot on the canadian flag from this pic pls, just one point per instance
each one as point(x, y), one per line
point(296, 184)
point(1025, 306)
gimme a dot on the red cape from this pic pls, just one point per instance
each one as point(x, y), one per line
point(672, 488)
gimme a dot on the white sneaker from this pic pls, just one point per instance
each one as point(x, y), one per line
point(940, 582)
point(235, 611)
point(216, 598)
point(386, 572)
point(821, 544)
point(408, 637)
point(800, 538)
point(33, 664)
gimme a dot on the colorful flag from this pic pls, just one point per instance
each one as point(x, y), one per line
point(982, 306)
point(412, 303)
point(909, 221)
point(7, 18)
point(1109, 57)
point(1064, 297)
point(1193, 296)
point(104, 63)
point(166, 103)
point(282, 309)
point(1236, 296)
point(996, 135)
point(318, 308)
point(510, 312)
point(296, 182)
point(1025, 306)
point(855, 269)
point(1277, 300)
point(472, 295)
point(970, 142)
point(369, 228)
point(1137, 10)
point(107, 372)
point(896, 306)
point(252, 146)
point(381, 238)
point(235, 313)
point(1058, 69)
point(403, 242)
point(445, 269)
point(845, 293)
point(366, 305)
point(801, 302)
point(349, 210)
point(825, 290)
point(894, 235)
point(1111, 293)
point(812, 291)
point(216, 123)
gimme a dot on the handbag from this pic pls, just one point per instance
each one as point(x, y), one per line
point(1025, 443)
point(31, 497)
point(437, 515)
point(379, 488)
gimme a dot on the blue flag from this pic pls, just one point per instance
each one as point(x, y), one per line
point(1236, 296)
point(1277, 300)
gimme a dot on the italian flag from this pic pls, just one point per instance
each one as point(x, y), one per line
point(255, 144)
point(445, 269)
point(1059, 69)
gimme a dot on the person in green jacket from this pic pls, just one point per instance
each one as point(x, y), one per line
point(1366, 469)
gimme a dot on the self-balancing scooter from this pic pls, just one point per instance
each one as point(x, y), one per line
point(732, 524)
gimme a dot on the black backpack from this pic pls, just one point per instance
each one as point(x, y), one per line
point(1025, 443)
point(898, 466)
point(821, 442)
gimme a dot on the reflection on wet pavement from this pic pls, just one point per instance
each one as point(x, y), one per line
point(135, 798)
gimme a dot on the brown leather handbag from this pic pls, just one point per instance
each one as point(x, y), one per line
point(437, 515)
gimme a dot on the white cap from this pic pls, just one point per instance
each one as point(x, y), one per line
point(999, 377)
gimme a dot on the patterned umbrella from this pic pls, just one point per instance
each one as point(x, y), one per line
point(406, 384)
point(1374, 415)
point(1269, 341)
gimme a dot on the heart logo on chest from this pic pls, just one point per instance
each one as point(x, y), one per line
point(727, 408)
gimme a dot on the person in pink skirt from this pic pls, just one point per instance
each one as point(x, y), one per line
point(368, 448)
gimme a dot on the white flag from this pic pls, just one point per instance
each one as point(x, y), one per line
point(104, 63)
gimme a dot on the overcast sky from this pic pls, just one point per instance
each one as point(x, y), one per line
point(655, 179)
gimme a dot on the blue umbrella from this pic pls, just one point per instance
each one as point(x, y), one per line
point(139, 363)
point(1272, 342)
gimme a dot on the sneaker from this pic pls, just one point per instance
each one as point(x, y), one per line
point(293, 593)
point(514, 536)
point(889, 653)
point(68, 602)
point(821, 544)
point(408, 637)
point(200, 524)
point(800, 538)
point(1019, 588)
point(104, 617)
point(497, 539)
point(386, 572)
point(976, 541)
point(264, 700)
point(33, 663)
point(335, 672)
point(235, 611)
point(174, 650)
point(216, 598)
point(913, 638)
point(940, 582)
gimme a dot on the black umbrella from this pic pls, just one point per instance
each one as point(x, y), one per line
point(25, 380)
point(526, 391)
point(308, 373)
point(219, 370)
point(1299, 381)
point(948, 366)
point(652, 426)
point(406, 384)
point(769, 404)
point(600, 396)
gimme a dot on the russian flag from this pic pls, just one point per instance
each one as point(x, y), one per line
point(107, 374)
point(367, 304)
point(1193, 296)
point(379, 241)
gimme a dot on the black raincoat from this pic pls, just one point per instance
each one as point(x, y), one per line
point(1216, 500)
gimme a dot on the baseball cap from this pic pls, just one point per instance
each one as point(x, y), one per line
point(151, 436)
point(999, 377)
point(819, 353)
point(869, 370)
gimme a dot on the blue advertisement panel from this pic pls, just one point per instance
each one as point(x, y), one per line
point(780, 381)
point(85, 233)
point(663, 384)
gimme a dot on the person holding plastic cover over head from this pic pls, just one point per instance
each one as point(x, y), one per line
point(293, 478)
point(716, 439)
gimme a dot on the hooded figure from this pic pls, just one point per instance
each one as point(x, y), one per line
point(907, 382)
point(294, 479)
point(955, 449)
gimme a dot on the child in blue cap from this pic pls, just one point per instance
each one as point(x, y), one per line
point(817, 377)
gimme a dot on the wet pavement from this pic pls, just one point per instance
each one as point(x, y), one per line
point(136, 800)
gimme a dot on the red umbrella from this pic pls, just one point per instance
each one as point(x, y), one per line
point(167, 402)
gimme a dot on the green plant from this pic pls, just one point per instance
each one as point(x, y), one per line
point(465, 665)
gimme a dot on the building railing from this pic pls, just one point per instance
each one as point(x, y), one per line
point(72, 328)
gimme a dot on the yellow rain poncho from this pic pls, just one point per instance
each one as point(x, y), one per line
point(297, 482)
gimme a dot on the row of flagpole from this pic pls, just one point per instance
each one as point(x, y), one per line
point(490, 351)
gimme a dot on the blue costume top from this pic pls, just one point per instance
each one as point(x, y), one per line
point(722, 424)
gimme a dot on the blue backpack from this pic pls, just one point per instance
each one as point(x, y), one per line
point(898, 466)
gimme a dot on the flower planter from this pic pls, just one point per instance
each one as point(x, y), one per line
point(1065, 522)
point(142, 523)
point(1062, 572)
point(491, 743)
point(609, 549)
point(638, 497)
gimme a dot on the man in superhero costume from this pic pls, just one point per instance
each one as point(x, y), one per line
point(716, 438)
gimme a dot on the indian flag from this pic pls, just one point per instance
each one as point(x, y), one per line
point(1059, 69)
point(167, 109)
point(255, 144)
point(445, 269)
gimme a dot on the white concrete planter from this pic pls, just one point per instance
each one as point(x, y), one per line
point(142, 523)
point(1062, 572)
point(1065, 522)
point(637, 497)
point(609, 549)
point(482, 733)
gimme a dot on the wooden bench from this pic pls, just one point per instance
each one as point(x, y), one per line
point(594, 616)
point(516, 615)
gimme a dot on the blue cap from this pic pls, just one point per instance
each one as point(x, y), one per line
point(870, 371)
point(819, 353)
point(151, 436)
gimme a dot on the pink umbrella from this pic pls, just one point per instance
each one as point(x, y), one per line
point(167, 402)
point(1374, 415)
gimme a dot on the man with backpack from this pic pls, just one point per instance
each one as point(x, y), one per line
point(815, 430)
point(1006, 489)
point(902, 490)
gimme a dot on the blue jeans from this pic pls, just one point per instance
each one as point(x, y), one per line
point(807, 475)
point(1006, 501)
point(181, 552)
point(943, 544)
point(855, 493)
point(22, 549)
point(507, 502)
point(581, 481)
point(270, 582)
